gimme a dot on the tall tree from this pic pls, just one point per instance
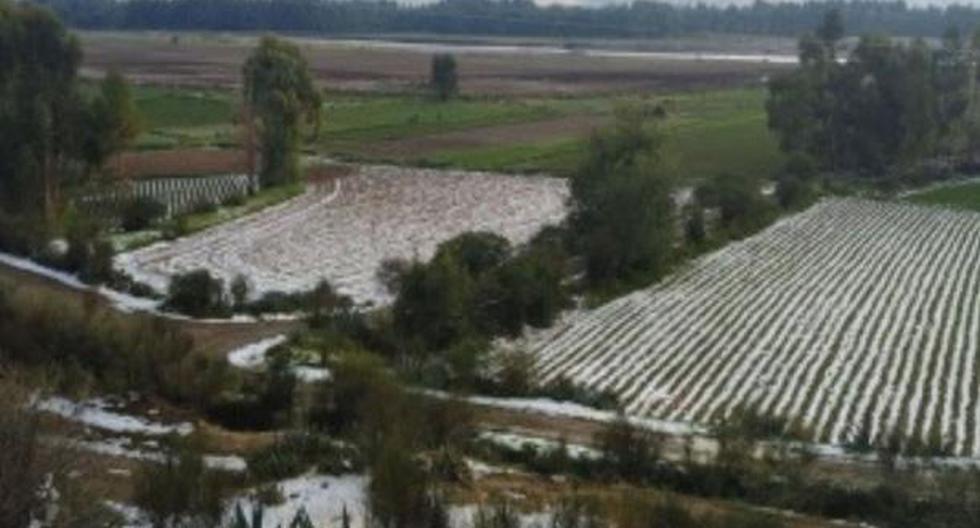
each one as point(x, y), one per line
point(114, 121)
point(39, 109)
point(622, 207)
point(50, 136)
point(444, 78)
point(279, 94)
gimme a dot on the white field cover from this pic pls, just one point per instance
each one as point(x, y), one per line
point(342, 231)
point(853, 312)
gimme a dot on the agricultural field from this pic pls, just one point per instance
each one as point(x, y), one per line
point(855, 319)
point(209, 60)
point(707, 133)
point(342, 228)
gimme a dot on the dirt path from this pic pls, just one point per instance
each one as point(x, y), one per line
point(491, 136)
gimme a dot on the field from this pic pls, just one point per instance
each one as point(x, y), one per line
point(707, 133)
point(214, 60)
point(341, 229)
point(962, 195)
point(855, 318)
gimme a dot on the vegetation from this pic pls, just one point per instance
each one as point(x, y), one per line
point(622, 215)
point(486, 17)
point(279, 94)
point(50, 135)
point(885, 111)
point(444, 78)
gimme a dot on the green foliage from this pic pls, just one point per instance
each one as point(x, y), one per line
point(297, 453)
point(444, 77)
point(796, 183)
point(400, 494)
point(197, 294)
point(115, 121)
point(141, 213)
point(50, 135)
point(622, 217)
point(738, 198)
point(888, 107)
point(180, 491)
point(965, 195)
point(476, 287)
point(280, 91)
point(629, 452)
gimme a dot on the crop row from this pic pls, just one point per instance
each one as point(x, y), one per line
point(343, 229)
point(856, 319)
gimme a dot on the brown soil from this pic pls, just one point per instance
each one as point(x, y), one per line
point(180, 162)
point(215, 60)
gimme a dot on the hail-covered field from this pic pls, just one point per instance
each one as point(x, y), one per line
point(853, 316)
point(343, 229)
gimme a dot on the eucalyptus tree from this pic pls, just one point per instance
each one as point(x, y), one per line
point(279, 95)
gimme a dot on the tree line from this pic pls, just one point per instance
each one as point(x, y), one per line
point(887, 110)
point(507, 17)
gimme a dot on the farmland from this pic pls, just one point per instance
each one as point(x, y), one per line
point(854, 319)
point(342, 229)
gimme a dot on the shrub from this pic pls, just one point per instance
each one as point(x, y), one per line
point(629, 452)
point(296, 453)
point(197, 294)
point(179, 492)
point(141, 213)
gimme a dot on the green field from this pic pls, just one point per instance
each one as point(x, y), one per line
point(707, 133)
point(965, 195)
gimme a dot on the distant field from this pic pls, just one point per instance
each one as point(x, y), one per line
point(707, 132)
point(854, 319)
point(214, 60)
point(960, 196)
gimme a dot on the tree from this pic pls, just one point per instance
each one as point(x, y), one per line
point(197, 294)
point(444, 79)
point(40, 115)
point(114, 121)
point(279, 93)
point(622, 218)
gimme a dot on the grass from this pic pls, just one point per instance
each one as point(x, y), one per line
point(176, 117)
point(707, 133)
point(375, 118)
point(964, 196)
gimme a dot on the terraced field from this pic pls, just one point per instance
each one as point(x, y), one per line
point(854, 318)
point(342, 229)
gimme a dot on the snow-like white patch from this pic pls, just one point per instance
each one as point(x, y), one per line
point(323, 497)
point(519, 442)
point(121, 448)
point(97, 413)
point(312, 374)
point(343, 234)
point(252, 356)
point(132, 516)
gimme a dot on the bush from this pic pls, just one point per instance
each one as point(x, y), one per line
point(296, 453)
point(197, 294)
point(179, 492)
point(141, 213)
